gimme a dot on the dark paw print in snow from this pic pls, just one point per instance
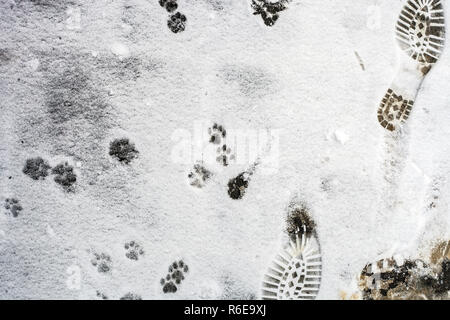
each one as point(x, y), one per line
point(218, 136)
point(199, 176)
point(177, 270)
point(169, 5)
point(269, 10)
point(134, 250)
point(123, 150)
point(177, 22)
point(217, 133)
point(238, 186)
point(64, 175)
point(13, 206)
point(102, 262)
point(36, 168)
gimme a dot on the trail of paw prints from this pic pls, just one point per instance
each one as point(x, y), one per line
point(133, 250)
point(268, 10)
point(177, 271)
point(199, 176)
point(13, 207)
point(218, 136)
point(177, 21)
point(102, 262)
point(296, 272)
point(238, 185)
point(39, 168)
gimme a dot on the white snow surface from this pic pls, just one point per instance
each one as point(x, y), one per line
point(300, 79)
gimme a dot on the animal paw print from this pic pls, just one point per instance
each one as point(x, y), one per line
point(218, 136)
point(238, 186)
point(269, 11)
point(169, 5)
point(103, 262)
point(123, 150)
point(216, 132)
point(199, 176)
point(13, 207)
point(36, 168)
point(134, 250)
point(177, 20)
point(65, 176)
point(177, 270)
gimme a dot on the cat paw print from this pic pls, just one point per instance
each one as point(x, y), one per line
point(218, 136)
point(268, 10)
point(177, 271)
point(238, 186)
point(177, 22)
point(64, 175)
point(169, 5)
point(217, 133)
point(13, 207)
point(199, 176)
point(123, 150)
point(133, 250)
point(102, 262)
point(36, 168)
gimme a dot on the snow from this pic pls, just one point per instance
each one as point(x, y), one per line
point(120, 50)
point(299, 80)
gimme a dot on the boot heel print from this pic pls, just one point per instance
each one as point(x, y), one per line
point(420, 34)
point(394, 110)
